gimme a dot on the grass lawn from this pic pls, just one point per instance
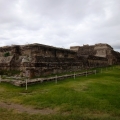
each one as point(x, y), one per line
point(95, 97)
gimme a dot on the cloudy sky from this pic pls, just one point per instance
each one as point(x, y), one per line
point(60, 23)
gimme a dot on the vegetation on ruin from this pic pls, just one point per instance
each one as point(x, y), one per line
point(6, 54)
point(95, 97)
point(9, 72)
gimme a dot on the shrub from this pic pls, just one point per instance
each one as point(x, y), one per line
point(6, 54)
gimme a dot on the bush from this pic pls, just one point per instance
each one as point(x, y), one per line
point(6, 54)
point(9, 72)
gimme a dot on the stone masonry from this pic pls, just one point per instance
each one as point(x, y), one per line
point(38, 59)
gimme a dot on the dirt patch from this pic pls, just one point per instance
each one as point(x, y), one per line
point(97, 114)
point(23, 109)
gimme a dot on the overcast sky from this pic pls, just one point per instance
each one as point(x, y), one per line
point(60, 23)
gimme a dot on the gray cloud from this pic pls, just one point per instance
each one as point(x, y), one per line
point(61, 23)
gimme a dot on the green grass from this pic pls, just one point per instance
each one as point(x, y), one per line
point(96, 97)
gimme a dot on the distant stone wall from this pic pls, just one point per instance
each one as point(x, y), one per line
point(74, 48)
point(84, 50)
point(99, 50)
point(102, 50)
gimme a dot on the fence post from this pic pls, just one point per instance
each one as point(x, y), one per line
point(86, 73)
point(95, 72)
point(0, 78)
point(41, 80)
point(74, 75)
point(26, 83)
point(56, 79)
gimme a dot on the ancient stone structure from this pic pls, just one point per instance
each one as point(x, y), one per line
point(83, 50)
point(98, 52)
point(37, 59)
point(102, 50)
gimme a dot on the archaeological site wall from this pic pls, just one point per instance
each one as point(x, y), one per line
point(102, 52)
point(38, 59)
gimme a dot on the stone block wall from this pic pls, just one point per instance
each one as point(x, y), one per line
point(40, 59)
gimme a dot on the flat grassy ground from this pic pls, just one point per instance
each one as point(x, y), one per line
point(96, 97)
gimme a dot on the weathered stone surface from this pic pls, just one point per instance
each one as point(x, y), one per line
point(101, 51)
point(38, 60)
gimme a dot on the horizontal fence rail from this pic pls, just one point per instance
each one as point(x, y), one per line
point(41, 80)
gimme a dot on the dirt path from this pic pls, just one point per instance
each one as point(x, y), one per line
point(23, 109)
